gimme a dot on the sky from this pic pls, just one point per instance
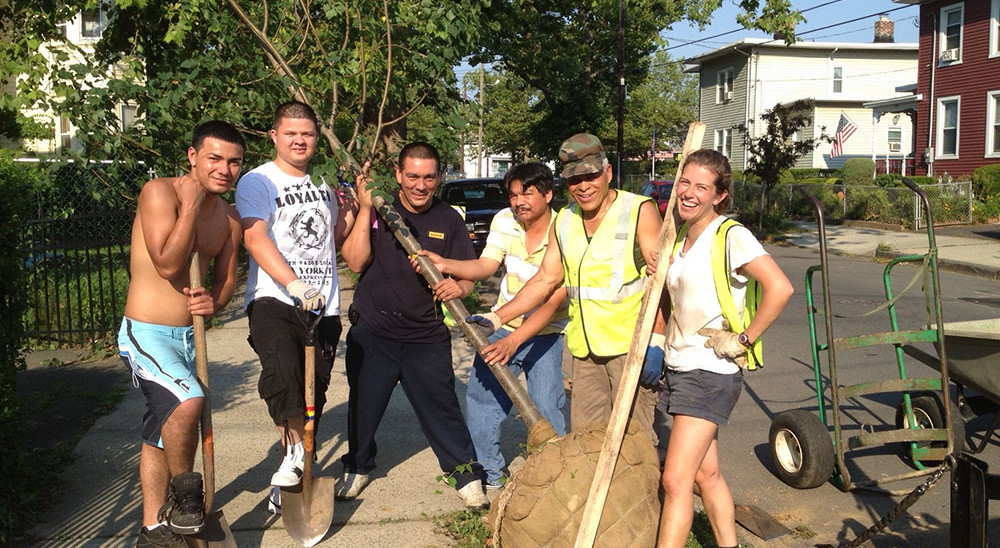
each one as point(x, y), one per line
point(830, 21)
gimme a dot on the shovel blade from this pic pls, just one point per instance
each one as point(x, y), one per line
point(215, 534)
point(308, 513)
point(759, 522)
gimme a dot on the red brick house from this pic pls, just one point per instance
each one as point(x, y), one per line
point(958, 82)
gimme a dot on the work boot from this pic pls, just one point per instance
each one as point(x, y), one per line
point(184, 510)
point(473, 496)
point(289, 474)
point(161, 537)
point(351, 485)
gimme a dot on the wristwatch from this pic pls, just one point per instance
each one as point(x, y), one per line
point(744, 340)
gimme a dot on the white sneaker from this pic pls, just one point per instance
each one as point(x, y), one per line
point(289, 474)
point(274, 501)
point(351, 485)
point(473, 496)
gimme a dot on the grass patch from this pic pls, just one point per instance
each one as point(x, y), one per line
point(467, 527)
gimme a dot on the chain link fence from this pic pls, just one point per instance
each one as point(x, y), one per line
point(951, 203)
point(78, 250)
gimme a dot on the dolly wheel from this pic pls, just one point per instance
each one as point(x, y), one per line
point(928, 412)
point(801, 449)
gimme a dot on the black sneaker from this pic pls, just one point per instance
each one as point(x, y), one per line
point(184, 510)
point(161, 537)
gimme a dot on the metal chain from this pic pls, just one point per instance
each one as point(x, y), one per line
point(903, 505)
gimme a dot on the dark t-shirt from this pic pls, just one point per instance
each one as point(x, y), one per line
point(392, 299)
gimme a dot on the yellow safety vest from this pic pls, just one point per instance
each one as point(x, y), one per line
point(603, 283)
point(720, 274)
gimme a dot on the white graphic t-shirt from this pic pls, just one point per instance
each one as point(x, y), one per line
point(300, 217)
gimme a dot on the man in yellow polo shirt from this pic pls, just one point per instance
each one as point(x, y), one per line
point(604, 241)
point(532, 342)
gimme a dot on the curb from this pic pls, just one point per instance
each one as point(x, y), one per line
point(945, 264)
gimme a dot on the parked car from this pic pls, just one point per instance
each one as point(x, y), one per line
point(660, 191)
point(477, 200)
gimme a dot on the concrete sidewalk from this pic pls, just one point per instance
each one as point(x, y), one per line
point(100, 506)
point(978, 256)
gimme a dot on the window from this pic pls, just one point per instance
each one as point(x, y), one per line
point(993, 124)
point(895, 138)
point(951, 34)
point(724, 86)
point(995, 28)
point(64, 134)
point(128, 114)
point(947, 122)
point(93, 22)
point(724, 142)
point(838, 79)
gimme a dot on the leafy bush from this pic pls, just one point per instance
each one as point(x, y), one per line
point(986, 181)
point(858, 171)
point(16, 184)
point(801, 173)
point(922, 179)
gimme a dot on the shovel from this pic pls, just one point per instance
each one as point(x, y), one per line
point(216, 533)
point(308, 512)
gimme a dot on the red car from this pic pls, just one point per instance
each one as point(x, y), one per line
point(659, 191)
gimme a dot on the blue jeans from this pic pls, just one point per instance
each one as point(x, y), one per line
point(487, 404)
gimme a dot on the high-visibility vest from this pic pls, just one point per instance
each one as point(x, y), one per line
point(603, 283)
point(720, 274)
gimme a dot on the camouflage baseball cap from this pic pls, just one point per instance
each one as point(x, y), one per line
point(582, 154)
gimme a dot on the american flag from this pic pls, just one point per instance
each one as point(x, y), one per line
point(845, 128)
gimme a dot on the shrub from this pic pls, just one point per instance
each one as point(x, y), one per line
point(922, 179)
point(986, 181)
point(16, 185)
point(858, 171)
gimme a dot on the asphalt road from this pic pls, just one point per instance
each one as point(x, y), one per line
point(826, 515)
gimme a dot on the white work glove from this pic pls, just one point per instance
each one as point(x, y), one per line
point(305, 296)
point(489, 320)
point(725, 344)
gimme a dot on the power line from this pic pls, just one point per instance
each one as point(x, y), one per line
point(880, 12)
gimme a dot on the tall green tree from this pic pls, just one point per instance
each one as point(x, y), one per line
point(666, 102)
point(511, 112)
point(568, 52)
point(365, 65)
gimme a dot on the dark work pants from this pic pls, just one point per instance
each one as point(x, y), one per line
point(374, 366)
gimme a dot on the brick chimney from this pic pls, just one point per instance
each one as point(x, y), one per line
point(884, 28)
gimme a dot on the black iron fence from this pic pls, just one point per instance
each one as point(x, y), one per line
point(78, 251)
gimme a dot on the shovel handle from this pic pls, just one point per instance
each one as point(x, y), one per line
point(539, 429)
point(201, 364)
point(309, 431)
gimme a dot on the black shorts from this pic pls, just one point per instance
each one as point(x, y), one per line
point(278, 336)
point(703, 394)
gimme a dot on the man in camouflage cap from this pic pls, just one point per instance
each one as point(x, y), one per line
point(582, 154)
point(598, 236)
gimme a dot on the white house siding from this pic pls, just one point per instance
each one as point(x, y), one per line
point(771, 73)
point(727, 115)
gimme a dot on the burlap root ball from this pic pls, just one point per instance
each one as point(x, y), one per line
point(542, 504)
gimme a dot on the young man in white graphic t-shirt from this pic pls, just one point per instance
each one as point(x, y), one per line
point(292, 226)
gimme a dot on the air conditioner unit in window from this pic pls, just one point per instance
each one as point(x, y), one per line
point(949, 54)
point(895, 147)
point(729, 95)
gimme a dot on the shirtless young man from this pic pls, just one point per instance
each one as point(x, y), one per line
point(175, 217)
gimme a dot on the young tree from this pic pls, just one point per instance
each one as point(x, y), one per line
point(777, 148)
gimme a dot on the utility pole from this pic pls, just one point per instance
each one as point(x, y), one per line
point(461, 136)
point(482, 95)
point(652, 157)
point(621, 89)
